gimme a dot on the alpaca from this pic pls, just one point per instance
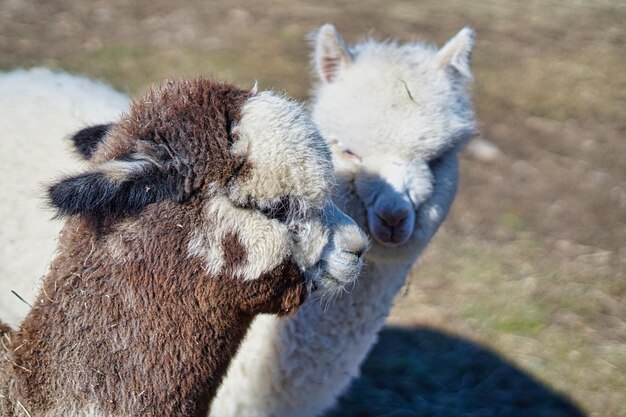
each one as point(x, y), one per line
point(397, 116)
point(37, 108)
point(202, 207)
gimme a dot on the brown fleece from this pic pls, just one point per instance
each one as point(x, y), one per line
point(234, 251)
point(6, 369)
point(180, 120)
point(138, 328)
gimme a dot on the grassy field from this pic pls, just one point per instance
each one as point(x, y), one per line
point(519, 306)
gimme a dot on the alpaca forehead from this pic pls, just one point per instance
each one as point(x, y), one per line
point(287, 153)
point(409, 106)
point(389, 70)
point(397, 88)
point(385, 67)
point(279, 125)
point(380, 125)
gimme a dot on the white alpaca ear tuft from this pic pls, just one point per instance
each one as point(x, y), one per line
point(255, 88)
point(331, 53)
point(456, 54)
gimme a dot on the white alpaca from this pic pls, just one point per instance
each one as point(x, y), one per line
point(37, 109)
point(397, 115)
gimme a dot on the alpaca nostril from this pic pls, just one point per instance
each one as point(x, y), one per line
point(393, 218)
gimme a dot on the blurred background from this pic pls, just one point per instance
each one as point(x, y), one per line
point(518, 307)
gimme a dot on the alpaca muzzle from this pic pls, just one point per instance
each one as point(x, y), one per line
point(342, 258)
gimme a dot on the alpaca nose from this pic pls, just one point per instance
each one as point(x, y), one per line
point(355, 242)
point(393, 218)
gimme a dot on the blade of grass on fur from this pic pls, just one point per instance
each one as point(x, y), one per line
point(408, 92)
point(21, 299)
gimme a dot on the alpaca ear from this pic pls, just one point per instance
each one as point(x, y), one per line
point(456, 54)
point(331, 53)
point(86, 140)
point(113, 189)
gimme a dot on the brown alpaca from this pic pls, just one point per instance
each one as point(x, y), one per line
point(177, 236)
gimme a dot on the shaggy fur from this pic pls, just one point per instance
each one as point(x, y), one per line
point(397, 116)
point(132, 319)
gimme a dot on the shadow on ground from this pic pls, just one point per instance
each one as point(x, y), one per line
point(424, 372)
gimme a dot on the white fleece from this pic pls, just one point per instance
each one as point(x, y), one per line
point(38, 109)
point(396, 116)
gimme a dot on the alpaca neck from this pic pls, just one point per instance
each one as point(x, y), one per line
point(315, 354)
point(122, 339)
point(385, 270)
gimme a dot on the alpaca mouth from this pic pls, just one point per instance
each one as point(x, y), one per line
point(385, 235)
point(323, 282)
point(389, 236)
point(329, 286)
point(329, 280)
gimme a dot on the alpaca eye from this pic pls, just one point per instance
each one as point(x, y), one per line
point(279, 211)
point(275, 213)
point(434, 162)
point(350, 156)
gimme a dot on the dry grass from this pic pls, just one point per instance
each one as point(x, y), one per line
point(523, 294)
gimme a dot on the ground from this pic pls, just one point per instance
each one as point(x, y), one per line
point(518, 306)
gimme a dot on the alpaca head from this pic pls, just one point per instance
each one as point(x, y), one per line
point(392, 113)
point(247, 171)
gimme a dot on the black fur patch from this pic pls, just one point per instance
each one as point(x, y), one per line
point(86, 140)
point(97, 197)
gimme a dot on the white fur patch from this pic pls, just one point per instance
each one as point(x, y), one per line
point(119, 171)
point(266, 241)
point(327, 235)
point(288, 156)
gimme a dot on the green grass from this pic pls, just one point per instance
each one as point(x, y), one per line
point(513, 299)
point(512, 222)
point(523, 317)
point(426, 372)
point(131, 68)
